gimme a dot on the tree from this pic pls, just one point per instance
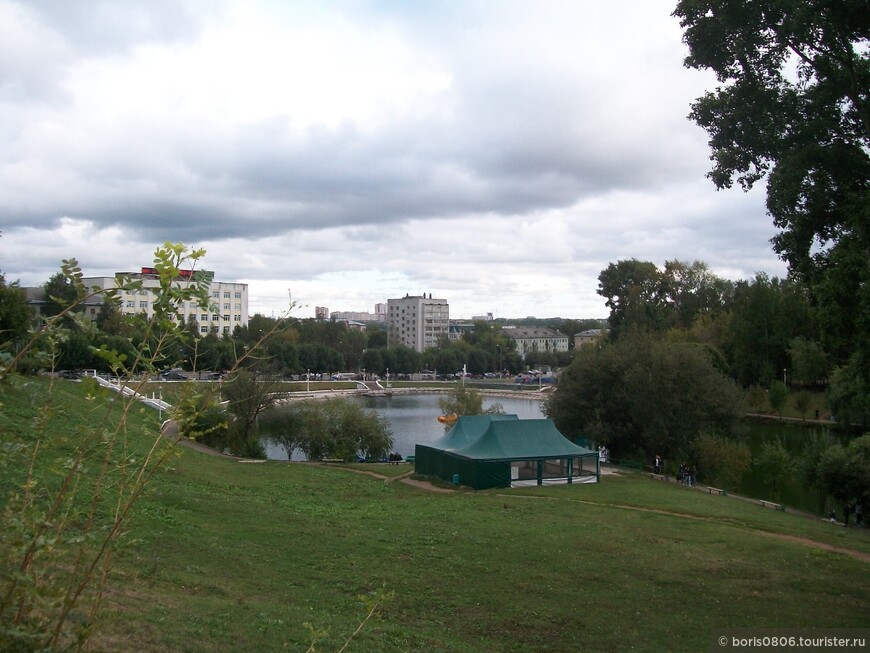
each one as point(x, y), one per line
point(643, 396)
point(462, 400)
point(332, 428)
point(816, 443)
point(61, 292)
point(845, 471)
point(199, 417)
point(777, 395)
point(776, 465)
point(849, 395)
point(14, 312)
point(249, 392)
point(691, 290)
point(802, 402)
point(809, 362)
point(443, 360)
point(757, 398)
point(633, 291)
point(722, 460)
point(766, 315)
point(372, 361)
point(794, 107)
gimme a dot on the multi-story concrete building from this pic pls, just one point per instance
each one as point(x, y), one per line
point(417, 321)
point(538, 339)
point(228, 306)
point(588, 337)
point(380, 315)
point(459, 329)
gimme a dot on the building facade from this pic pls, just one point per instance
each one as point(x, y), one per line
point(228, 302)
point(588, 337)
point(536, 339)
point(417, 321)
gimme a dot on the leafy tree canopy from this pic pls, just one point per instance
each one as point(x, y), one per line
point(794, 108)
point(642, 296)
point(644, 396)
point(14, 312)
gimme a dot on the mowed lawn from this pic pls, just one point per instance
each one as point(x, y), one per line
point(225, 556)
point(232, 557)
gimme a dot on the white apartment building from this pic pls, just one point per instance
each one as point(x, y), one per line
point(228, 302)
point(538, 339)
point(417, 321)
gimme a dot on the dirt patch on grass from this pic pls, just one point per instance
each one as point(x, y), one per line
point(860, 555)
point(425, 485)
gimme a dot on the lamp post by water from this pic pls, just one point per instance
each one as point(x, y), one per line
point(307, 380)
point(388, 377)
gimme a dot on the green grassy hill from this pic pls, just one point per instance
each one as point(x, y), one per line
point(229, 556)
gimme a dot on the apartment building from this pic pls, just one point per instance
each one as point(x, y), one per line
point(228, 302)
point(537, 339)
point(417, 321)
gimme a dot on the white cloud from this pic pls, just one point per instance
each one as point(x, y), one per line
point(498, 154)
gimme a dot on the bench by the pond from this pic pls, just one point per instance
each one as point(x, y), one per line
point(660, 477)
point(716, 490)
point(770, 504)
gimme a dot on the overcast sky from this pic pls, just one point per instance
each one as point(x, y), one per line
point(497, 154)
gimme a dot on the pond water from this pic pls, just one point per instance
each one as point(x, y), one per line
point(413, 419)
point(794, 437)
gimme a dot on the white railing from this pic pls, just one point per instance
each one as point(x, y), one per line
point(153, 401)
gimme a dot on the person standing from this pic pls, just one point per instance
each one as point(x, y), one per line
point(657, 466)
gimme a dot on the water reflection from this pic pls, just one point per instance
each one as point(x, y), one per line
point(413, 419)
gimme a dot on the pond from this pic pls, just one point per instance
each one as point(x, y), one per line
point(794, 437)
point(413, 419)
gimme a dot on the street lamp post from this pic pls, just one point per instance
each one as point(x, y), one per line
point(307, 380)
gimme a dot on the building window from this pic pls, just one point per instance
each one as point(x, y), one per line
point(203, 329)
point(226, 318)
point(215, 317)
point(237, 318)
point(131, 304)
point(226, 329)
point(227, 306)
point(238, 307)
point(203, 317)
point(143, 304)
point(238, 295)
point(226, 295)
point(216, 294)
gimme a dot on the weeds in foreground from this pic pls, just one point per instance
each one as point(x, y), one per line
point(67, 488)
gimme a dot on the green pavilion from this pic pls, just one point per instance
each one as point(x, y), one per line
point(502, 451)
